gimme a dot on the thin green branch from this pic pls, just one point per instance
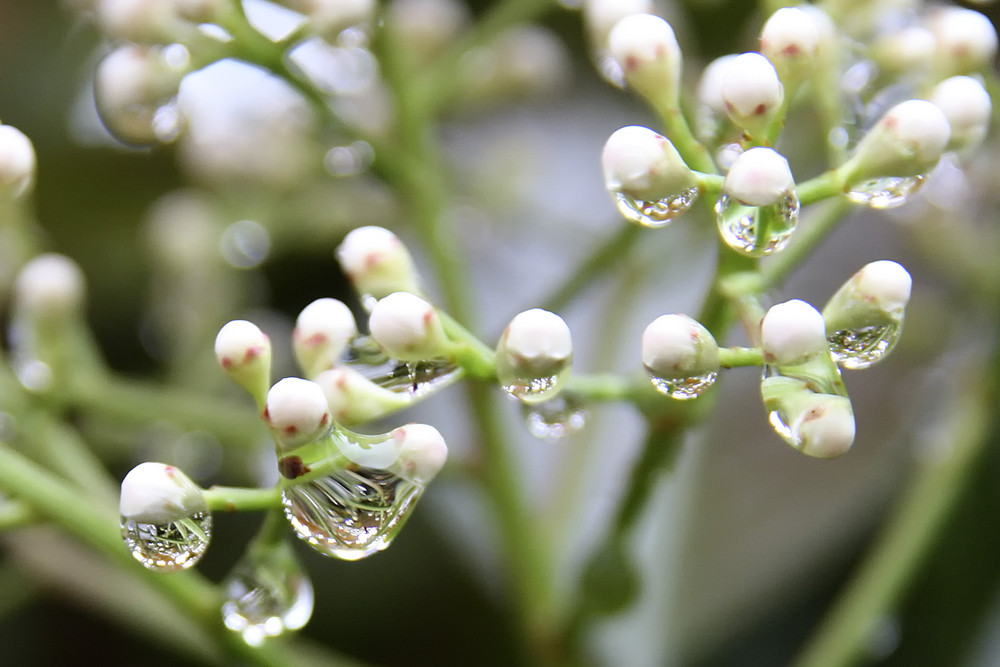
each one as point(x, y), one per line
point(238, 499)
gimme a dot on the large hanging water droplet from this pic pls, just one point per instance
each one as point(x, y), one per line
point(351, 513)
point(555, 418)
point(174, 545)
point(267, 593)
point(855, 349)
point(757, 230)
point(532, 388)
point(412, 378)
point(885, 192)
point(683, 389)
point(655, 213)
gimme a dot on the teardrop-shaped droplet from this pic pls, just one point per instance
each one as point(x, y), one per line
point(174, 545)
point(555, 418)
point(351, 513)
point(414, 378)
point(885, 192)
point(757, 230)
point(532, 388)
point(267, 593)
point(683, 389)
point(855, 349)
point(655, 213)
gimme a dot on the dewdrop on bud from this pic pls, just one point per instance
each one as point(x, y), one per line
point(864, 318)
point(165, 520)
point(790, 39)
point(791, 333)
point(534, 356)
point(752, 92)
point(422, 452)
point(758, 208)
point(244, 352)
point(322, 332)
point(377, 263)
point(817, 424)
point(967, 106)
point(646, 176)
point(49, 286)
point(893, 158)
point(680, 356)
point(645, 47)
point(354, 399)
point(966, 40)
point(17, 162)
point(297, 413)
point(408, 328)
point(373, 485)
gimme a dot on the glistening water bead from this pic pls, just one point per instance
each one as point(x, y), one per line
point(555, 418)
point(886, 192)
point(173, 545)
point(757, 230)
point(655, 213)
point(683, 388)
point(856, 349)
point(351, 513)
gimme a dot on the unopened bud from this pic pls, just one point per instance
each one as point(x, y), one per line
point(17, 162)
point(752, 92)
point(967, 106)
point(534, 354)
point(643, 164)
point(676, 346)
point(408, 328)
point(966, 39)
point(759, 177)
point(297, 413)
point(322, 332)
point(791, 333)
point(244, 352)
point(422, 452)
point(907, 141)
point(874, 296)
point(328, 18)
point(49, 286)
point(157, 493)
point(377, 263)
point(790, 39)
point(647, 51)
point(600, 16)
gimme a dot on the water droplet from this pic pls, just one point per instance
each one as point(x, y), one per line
point(414, 378)
point(351, 513)
point(245, 244)
point(35, 375)
point(555, 418)
point(144, 124)
point(757, 230)
point(532, 388)
point(855, 349)
point(267, 593)
point(683, 389)
point(885, 192)
point(174, 545)
point(656, 213)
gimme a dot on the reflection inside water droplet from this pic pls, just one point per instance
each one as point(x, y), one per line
point(267, 593)
point(555, 418)
point(885, 192)
point(174, 545)
point(351, 513)
point(683, 388)
point(656, 213)
point(855, 349)
point(757, 230)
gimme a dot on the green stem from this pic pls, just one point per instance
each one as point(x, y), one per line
point(694, 152)
point(238, 499)
point(910, 532)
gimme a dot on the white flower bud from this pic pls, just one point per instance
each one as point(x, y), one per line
point(791, 333)
point(322, 331)
point(328, 18)
point(967, 106)
point(49, 285)
point(157, 493)
point(907, 141)
point(752, 91)
point(906, 50)
point(966, 39)
point(759, 177)
point(790, 39)
point(647, 51)
point(408, 328)
point(426, 26)
point(422, 452)
point(676, 346)
point(538, 336)
point(244, 352)
point(600, 16)
point(826, 428)
point(141, 21)
point(874, 296)
point(297, 413)
point(643, 164)
point(354, 399)
point(17, 162)
point(710, 84)
point(377, 263)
